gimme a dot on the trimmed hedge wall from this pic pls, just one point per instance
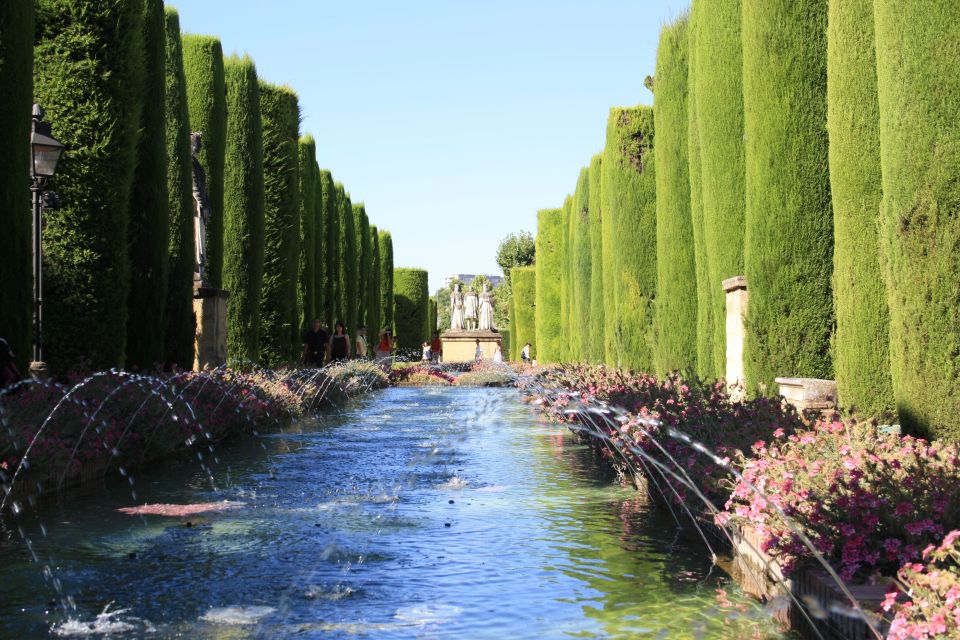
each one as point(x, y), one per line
point(675, 347)
point(917, 44)
point(87, 70)
point(524, 329)
point(566, 349)
point(307, 285)
point(549, 269)
point(411, 297)
point(16, 78)
point(279, 318)
point(207, 103)
point(147, 234)
point(718, 78)
point(581, 272)
point(320, 248)
point(629, 237)
point(349, 263)
point(595, 341)
point(861, 343)
point(330, 211)
point(243, 210)
point(386, 280)
point(179, 322)
point(362, 228)
point(706, 304)
point(789, 218)
point(374, 312)
point(513, 353)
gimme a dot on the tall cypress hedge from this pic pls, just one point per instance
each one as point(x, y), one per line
point(16, 78)
point(279, 318)
point(349, 263)
point(320, 247)
point(580, 269)
point(789, 220)
point(917, 45)
point(706, 302)
point(411, 295)
point(629, 237)
point(386, 280)
point(512, 319)
point(525, 300)
point(88, 67)
point(149, 229)
point(330, 211)
point(549, 269)
point(243, 210)
point(596, 326)
point(566, 348)
point(207, 103)
point(307, 289)
point(179, 322)
point(861, 343)
point(675, 347)
point(719, 84)
point(374, 312)
point(362, 227)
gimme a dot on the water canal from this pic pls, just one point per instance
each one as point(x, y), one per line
point(437, 513)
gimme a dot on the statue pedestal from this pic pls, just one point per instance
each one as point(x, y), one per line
point(210, 312)
point(461, 346)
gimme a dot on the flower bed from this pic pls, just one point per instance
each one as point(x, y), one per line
point(932, 609)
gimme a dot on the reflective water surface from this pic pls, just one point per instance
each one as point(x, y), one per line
point(434, 513)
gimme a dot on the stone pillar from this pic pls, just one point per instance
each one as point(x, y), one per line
point(210, 312)
point(736, 291)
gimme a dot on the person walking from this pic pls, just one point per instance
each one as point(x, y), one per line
point(427, 355)
point(478, 353)
point(385, 349)
point(316, 345)
point(436, 347)
point(525, 353)
point(360, 349)
point(339, 343)
point(498, 355)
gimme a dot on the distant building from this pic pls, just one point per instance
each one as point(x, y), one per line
point(467, 278)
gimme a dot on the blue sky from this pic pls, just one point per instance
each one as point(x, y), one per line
point(453, 120)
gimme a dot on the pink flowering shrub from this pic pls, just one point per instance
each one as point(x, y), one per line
point(933, 588)
point(421, 374)
point(868, 502)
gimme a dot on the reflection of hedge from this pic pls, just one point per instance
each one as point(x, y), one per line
point(524, 330)
point(675, 347)
point(920, 229)
point(789, 219)
point(309, 248)
point(279, 319)
point(16, 78)
point(243, 216)
point(580, 271)
point(861, 342)
point(349, 273)
point(386, 280)
point(595, 341)
point(705, 300)
point(87, 69)
point(629, 237)
point(179, 328)
point(148, 223)
point(719, 91)
point(362, 229)
point(207, 103)
point(549, 267)
point(374, 312)
point(330, 211)
point(411, 297)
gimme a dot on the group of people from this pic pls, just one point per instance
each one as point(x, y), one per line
point(433, 350)
point(321, 347)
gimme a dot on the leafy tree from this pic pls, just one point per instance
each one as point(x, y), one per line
point(517, 249)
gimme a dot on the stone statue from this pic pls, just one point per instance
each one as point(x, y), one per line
point(470, 306)
point(456, 309)
point(201, 210)
point(486, 310)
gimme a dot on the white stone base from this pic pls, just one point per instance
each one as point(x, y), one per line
point(461, 346)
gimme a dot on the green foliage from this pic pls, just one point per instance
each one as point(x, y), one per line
point(478, 283)
point(386, 279)
point(148, 230)
point(514, 352)
point(718, 87)
point(675, 348)
point(362, 227)
point(330, 211)
point(595, 329)
point(307, 282)
point(517, 249)
point(279, 317)
point(861, 342)
point(348, 263)
point(706, 302)
point(431, 317)
point(88, 67)
point(629, 238)
point(917, 45)
point(789, 220)
point(581, 261)
point(16, 65)
point(207, 104)
point(549, 267)
point(566, 292)
point(374, 312)
point(320, 247)
point(411, 296)
point(243, 210)
point(179, 331)
point(525, 299)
